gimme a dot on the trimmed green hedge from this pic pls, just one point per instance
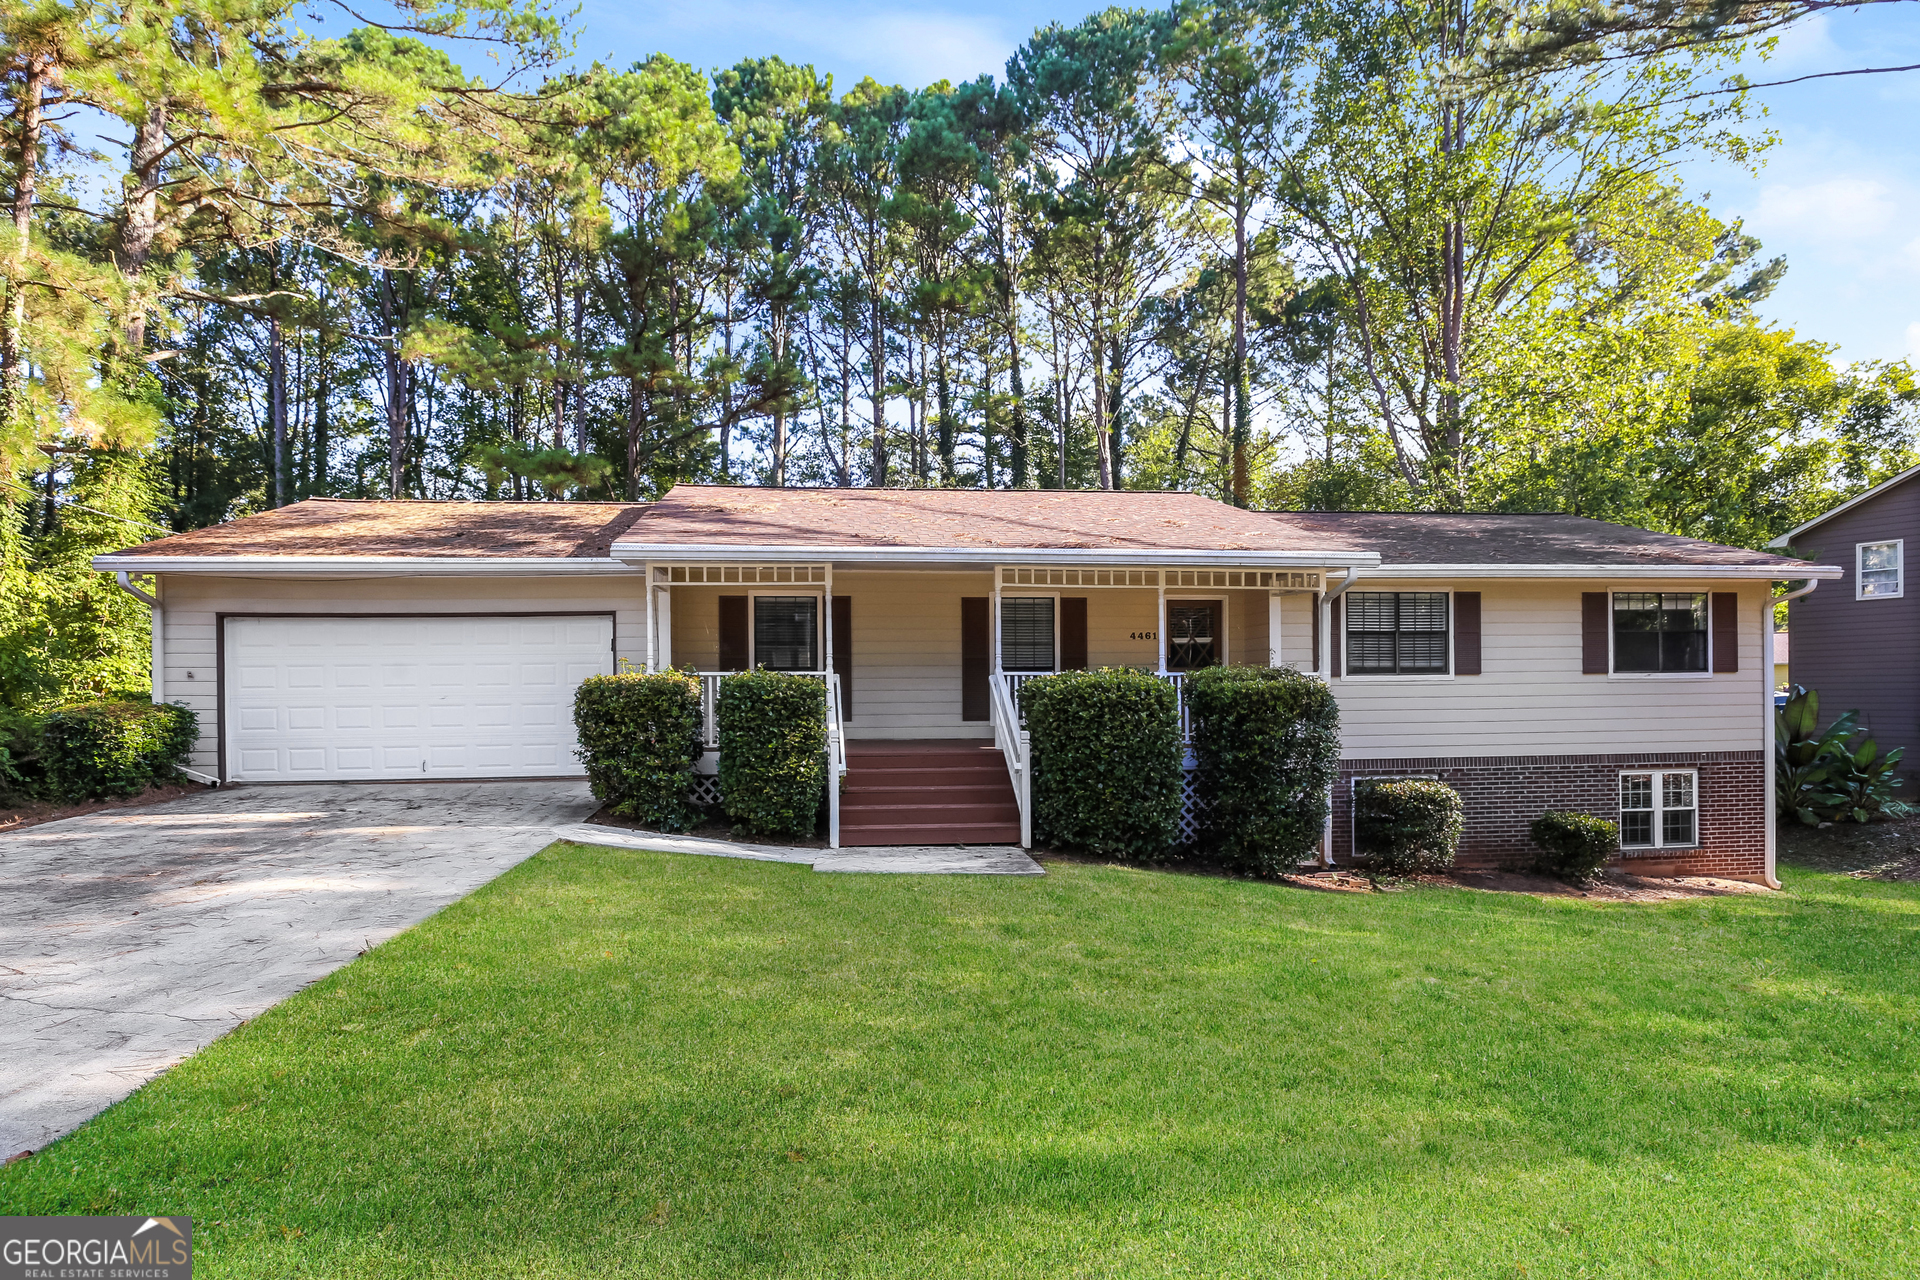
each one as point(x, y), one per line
point(101, 749)
point(639, 738)
point(1407, 824)
point(1106, 761)
point(1571, 844)
point(1267, 742)
point(773, 752)
point(23, 766)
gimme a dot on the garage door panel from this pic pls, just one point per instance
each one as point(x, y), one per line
point(451, 697)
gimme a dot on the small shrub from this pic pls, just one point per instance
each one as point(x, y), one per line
point(1106, 761)
point(23, 766)
point(1823, 777)
point(1407, 824)
point(773, 745)
point(639, 738)
point(101, 749)
point(1574, 845)
point(1267, 742)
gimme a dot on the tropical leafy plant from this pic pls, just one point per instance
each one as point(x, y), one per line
point(1821, 776)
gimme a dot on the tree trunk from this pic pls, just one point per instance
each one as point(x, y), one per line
point(1116, 439)
point(141, 225)
point(317, 458)
point(579, 386)
point(399, 389)
point(1017, 424)
point(277, 410)
point(13, 339)
point(878, 479)
point(943, 391)
point(778, 340)
point(1242, 428)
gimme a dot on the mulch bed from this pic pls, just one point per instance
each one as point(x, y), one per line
point(1888, 849)
point(714, 828)
point(18, 817)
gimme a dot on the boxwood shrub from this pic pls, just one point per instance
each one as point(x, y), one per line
point(639, 738)
point(1267, 742)
point(1407, 824)
point(1574, 845)
point(98, 749)
point(773, 745)
point(1106, 761)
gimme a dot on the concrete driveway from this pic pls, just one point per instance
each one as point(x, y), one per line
point(131, 938)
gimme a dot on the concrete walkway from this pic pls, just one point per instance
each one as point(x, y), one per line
point(969, 859)
point(131, 938)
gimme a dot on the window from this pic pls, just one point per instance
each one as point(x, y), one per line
point(1878, 570)
point(1396, 633)
point(1193, 634)
point(1659, 810)
point(1659, 631)
point(786, 632)
point(1026, 633)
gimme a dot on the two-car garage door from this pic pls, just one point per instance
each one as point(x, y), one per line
point(315, 698)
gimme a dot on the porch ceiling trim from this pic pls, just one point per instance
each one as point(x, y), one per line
point(368, 566)
point(990, 557)
point(1754, 572)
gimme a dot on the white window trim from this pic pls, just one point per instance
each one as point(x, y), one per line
point(1663, 675)
point(999, 635)
point(1659, 809)
point(1226, 620)
point(1346, 635)
point(819, 622)
point(1899, 546)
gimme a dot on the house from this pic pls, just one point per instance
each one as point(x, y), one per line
point(1532, 661)
point(1782, 661)
point(1854, 641)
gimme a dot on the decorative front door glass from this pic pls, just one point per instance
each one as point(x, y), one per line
point(1192, 634)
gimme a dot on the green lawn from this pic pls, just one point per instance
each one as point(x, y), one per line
point(610, 1063)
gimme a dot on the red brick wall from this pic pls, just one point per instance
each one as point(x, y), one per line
point(1504, 794)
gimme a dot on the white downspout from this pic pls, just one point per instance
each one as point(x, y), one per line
point(1768, 734)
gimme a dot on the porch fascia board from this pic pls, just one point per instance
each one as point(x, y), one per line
point(368, 566)
point(987, 557)
point(1750, 572)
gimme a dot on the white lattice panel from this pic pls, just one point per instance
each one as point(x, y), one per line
point(705, 791)
point(1191, 806)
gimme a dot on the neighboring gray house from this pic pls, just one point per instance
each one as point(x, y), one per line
point(1854, 639)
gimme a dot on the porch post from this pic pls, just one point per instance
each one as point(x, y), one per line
point(993, 646)
point(663, 624)
point(826, 601)
point(1161, 629)
point(1275, 618)
point(647, 569)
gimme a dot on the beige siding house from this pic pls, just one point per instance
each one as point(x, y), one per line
point(1534, 662)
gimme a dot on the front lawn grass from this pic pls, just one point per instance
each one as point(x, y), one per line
point(615, 1063)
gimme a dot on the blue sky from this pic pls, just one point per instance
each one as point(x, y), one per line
point(1838, 195)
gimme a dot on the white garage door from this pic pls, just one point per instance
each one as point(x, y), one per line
point(327, 697)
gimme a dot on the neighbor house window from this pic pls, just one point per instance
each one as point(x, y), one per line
point(1396, 633)
point(1659, 809)
point(1878, 575)
point(1026, 633)
point(1663, 631)
point(786, 632)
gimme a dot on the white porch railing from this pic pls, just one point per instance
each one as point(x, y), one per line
point(836, 735)
point(1010, 735)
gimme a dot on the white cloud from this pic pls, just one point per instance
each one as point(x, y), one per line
point(1835, 209)
point(1913, 340)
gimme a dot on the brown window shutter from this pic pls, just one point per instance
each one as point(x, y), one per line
point(733, 633)
point(1315, 610)
point(1466, 633)
point(1593, 633)
point(1725, 621)
point(843, 652)
point(1333, 650)
point(976, 657)
point(1073, 633)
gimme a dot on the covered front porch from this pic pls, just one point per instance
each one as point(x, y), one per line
point(929, 658)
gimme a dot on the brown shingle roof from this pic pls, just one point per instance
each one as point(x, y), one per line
point(464, 530)
point(1520, 539)
point(964, 519)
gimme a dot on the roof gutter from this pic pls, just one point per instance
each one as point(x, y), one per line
point(1346, 584)
point(364, 566)
point(1766, 572)
point(126, 584)
point(986, 557)
point(1797, 592)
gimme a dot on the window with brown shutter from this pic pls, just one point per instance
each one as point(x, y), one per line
point(1073, 633)
point(1726, 631)
point(1333, 650)
point(976, 656)
point(1466, 633)
point(1593, 633)
point(733, 633)
point(843, 652)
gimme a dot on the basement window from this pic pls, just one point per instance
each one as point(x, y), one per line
point(1660, 809)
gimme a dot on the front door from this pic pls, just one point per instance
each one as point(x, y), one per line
point(1194, 636)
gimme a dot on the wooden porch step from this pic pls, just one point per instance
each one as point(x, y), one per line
point(937, 807)
point(929, 833)
point(927, 792)
point(867, 791)
point(993, 776)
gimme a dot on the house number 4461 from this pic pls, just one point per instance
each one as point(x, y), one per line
point(1143, 635)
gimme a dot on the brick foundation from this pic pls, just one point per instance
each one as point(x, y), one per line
point(1504, 794)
